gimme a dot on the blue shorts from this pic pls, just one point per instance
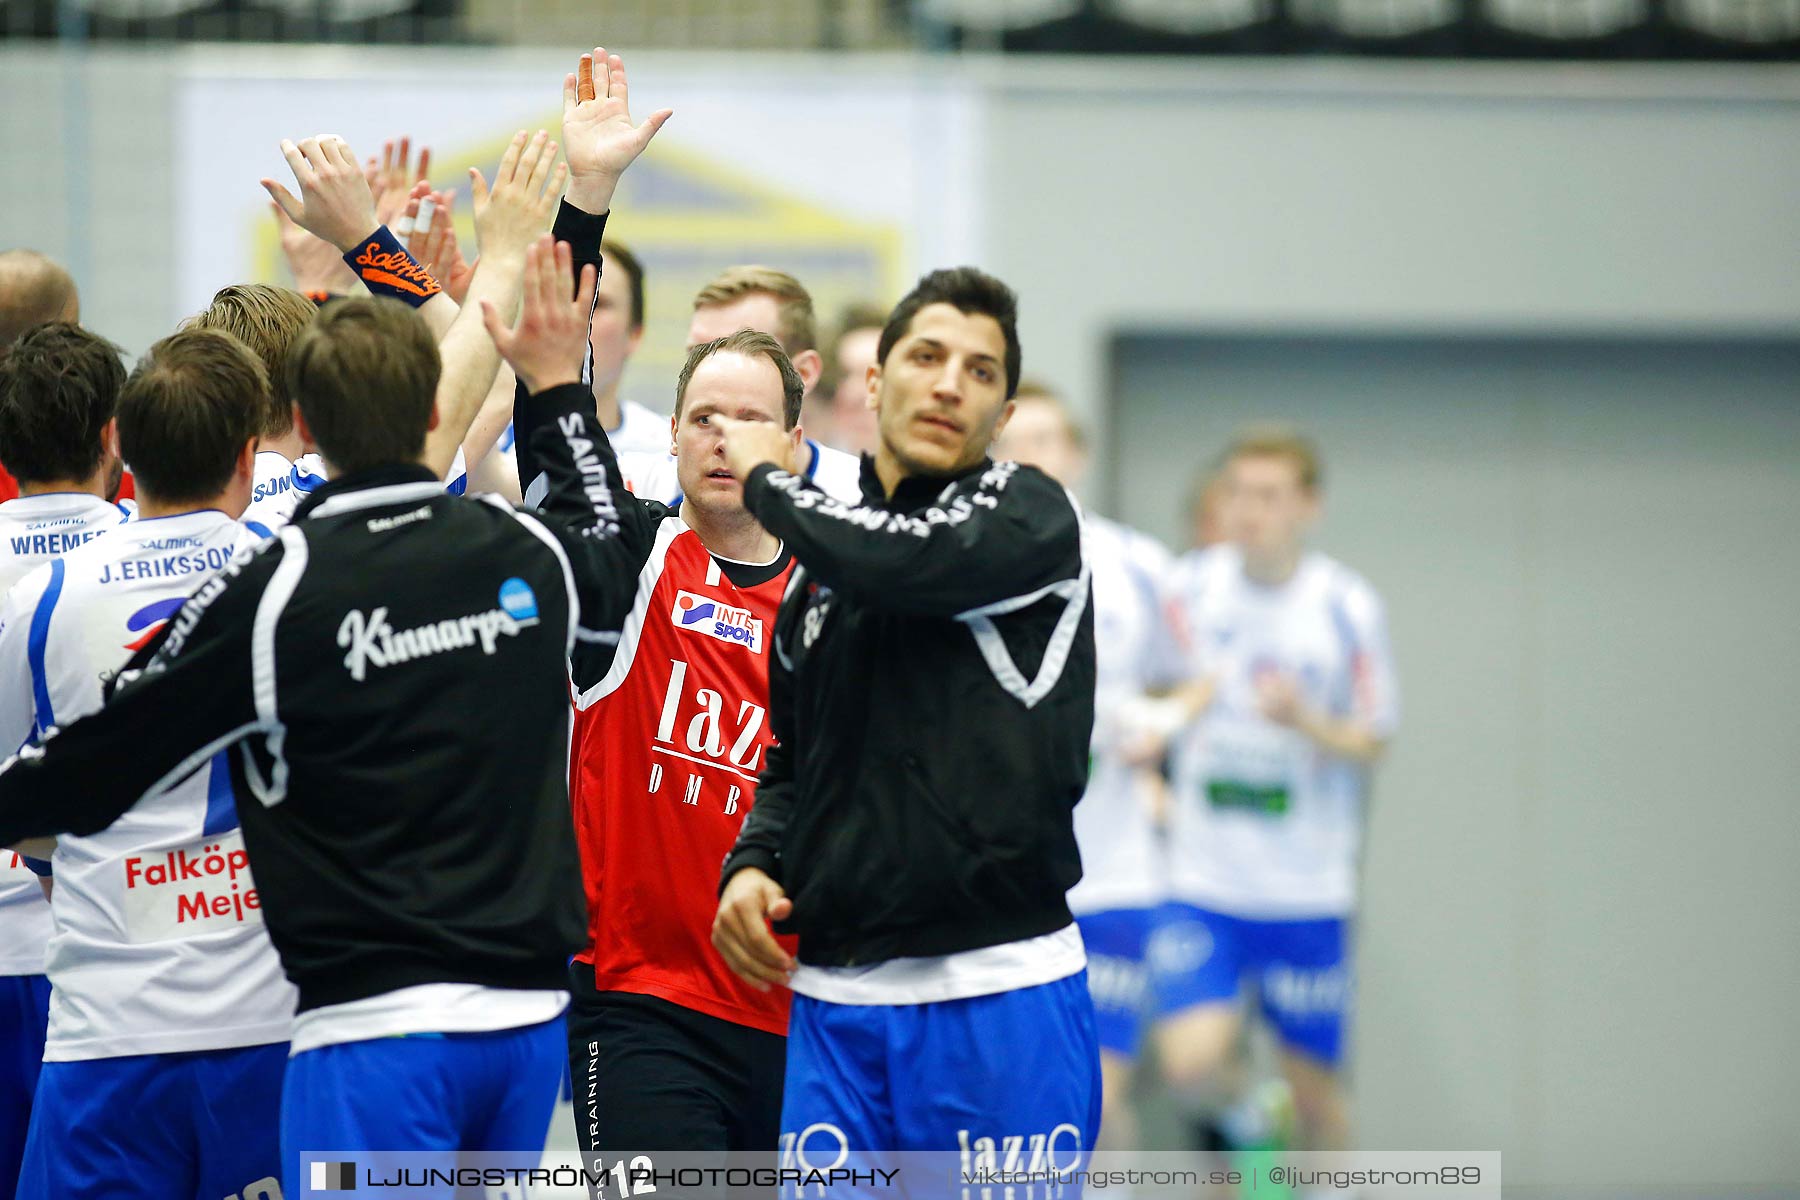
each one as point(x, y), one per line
point(1118, 977)
point(1297, 972)
point(195, 1126)
point(441, 1091)
point(24, 1011)
point(951, 1075)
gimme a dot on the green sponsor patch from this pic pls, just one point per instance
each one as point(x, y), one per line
point(1269, 799)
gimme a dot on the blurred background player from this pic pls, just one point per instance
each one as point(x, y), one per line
point(768, 301)
point(668, 1050)
point(849, 422)
point(34, 290)
point(59, 390)
point(1270, 787)
point(934, 656)
point(268, 320)
point(1138, 655)
point(1205, 510)
point(168, 1001)
point(614, 334)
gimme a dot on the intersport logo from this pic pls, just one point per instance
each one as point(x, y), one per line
point(372, 642)
point(701, 614)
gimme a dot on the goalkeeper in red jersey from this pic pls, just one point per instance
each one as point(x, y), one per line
point(669, 1050)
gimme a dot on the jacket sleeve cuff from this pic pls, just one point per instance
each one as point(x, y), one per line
point(763, 860)
point(541, 409)
point(566, 397)
point(584, 232)
point(757, 488)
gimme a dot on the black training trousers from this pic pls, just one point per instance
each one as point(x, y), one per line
point(649, 1075)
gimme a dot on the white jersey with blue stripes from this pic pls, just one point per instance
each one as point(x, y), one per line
point(159, 945)
point(1266, 824)
point(278, 488)
point(281, 485)
point(1136, 650)
point(33, 530)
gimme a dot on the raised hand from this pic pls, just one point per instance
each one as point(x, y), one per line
point(433, 242)
point(335, 203)
point(547, 345)
point(514, 212)
point(391, 178)
point(316, 264)
point(597, 129)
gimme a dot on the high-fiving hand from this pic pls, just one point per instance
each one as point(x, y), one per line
point(432, 241)
point(513, 213)
point(317, 265)
point(335, 203)
point(391, 177)
point(597, 130)
point(547, 345)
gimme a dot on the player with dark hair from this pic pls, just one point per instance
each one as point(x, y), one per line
point(168, 1000)
point(59, 385)
point(59, 389)
point(932, 698)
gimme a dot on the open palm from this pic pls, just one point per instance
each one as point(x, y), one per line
point(598, 135)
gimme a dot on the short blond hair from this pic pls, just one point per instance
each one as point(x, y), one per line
point(269, 320)
point(1280, 441)
point(796, 328)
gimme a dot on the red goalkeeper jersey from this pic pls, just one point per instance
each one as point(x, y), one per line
point(667, 746)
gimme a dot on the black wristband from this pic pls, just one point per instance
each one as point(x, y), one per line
point(386, 269)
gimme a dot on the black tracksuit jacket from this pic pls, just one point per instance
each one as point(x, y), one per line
point(390, 678)
point(932, 693)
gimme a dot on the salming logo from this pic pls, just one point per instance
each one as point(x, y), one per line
point(396, 269)
point(594, 484)
point(959, 508)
